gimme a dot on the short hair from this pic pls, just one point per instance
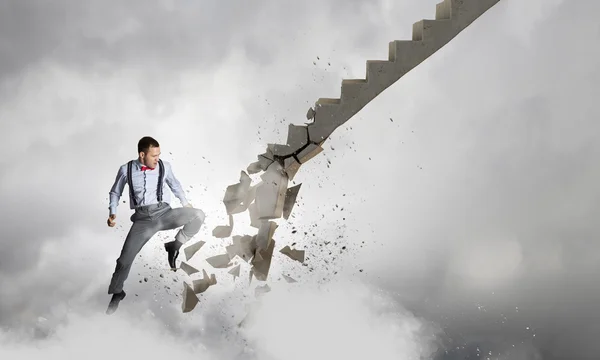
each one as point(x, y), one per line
point(146, 143)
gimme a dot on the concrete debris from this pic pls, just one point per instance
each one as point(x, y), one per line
point(310, 114)
point(290, 200)
point(191, 250)
point(223, 231)
point(235, 195)
point(253, 212)
point(291, 167)
point(250, 276)
point(188, 268)
point(289, 279)
point(203, 284)
point(261, 290)
point(235, 271)
point(242, 246)
point(250, 195)
point(308, 153)
point(219, 261)
point(190, 300)
point(293, 254)
point(265, 159)
point(265, 234)
point(270, 195)
point(297, 138)
point(254, 168)
point(261, 263)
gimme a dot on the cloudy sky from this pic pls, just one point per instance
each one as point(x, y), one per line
point(466, 195)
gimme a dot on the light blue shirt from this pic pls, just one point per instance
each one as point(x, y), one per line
point(145, 184)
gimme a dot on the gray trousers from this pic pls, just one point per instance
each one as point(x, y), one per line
point(147, 221)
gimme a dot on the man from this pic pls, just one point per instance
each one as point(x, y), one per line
point(146, 178)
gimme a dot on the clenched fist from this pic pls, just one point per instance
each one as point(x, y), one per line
point(111, 220)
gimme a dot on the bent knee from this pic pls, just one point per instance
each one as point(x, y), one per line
point(200, 215)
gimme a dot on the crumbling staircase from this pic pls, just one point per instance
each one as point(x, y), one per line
point(271, 199)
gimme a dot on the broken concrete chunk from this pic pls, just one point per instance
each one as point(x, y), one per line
point(253, 212)
point(290, 200)
point(310, 114)
point(293, 254)
point(191, 250)
point(261, 262)
point(250, 276)
point(235, 271)
point(203, 284)
point(189, 298)
point(250, 195)
point(291, 167)
point(297, 138)
point(289, 279)
point(254, 168)
point(188, 268)
point(308, 153)
point(236, 194)
point(261, 290)
point(270, 195)
point(264, 162)
point(265, 234)
point(223, 231)
point(219, 261)
point(242, 246)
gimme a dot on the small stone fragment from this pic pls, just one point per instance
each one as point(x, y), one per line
point(203, 284)
point(223, 231)
point(310, 114)
point(188, 269)
point(289, 279)
point(235, 271)
point(193, 249)
point(290, 200)
point(219, 261)
point(293, 254)
point(254, 168)
point(189, 298)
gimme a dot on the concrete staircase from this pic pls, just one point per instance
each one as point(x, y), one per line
point(270, 198)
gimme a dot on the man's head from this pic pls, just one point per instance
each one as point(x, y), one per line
point(149, 151)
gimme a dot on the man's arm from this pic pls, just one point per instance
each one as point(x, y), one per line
point(174, 184)
point(117, 190)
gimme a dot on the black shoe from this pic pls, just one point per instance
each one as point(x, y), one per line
point(114, 302)
point(172, 253)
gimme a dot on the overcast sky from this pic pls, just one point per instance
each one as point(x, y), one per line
point(466, 195)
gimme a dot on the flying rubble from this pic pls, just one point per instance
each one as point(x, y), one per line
point(271, 198)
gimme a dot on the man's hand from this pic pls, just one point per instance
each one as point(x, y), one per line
point(111, 220)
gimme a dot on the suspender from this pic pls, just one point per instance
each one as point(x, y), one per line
point(159, 190)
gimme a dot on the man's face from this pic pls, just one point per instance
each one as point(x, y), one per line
point(150, 158)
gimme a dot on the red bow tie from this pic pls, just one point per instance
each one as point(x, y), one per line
point(144, 168)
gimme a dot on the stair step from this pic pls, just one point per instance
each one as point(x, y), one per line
point(443, 10)
point(432, 30)
point(354, 90)
point(407, 54)
point(328, 101)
